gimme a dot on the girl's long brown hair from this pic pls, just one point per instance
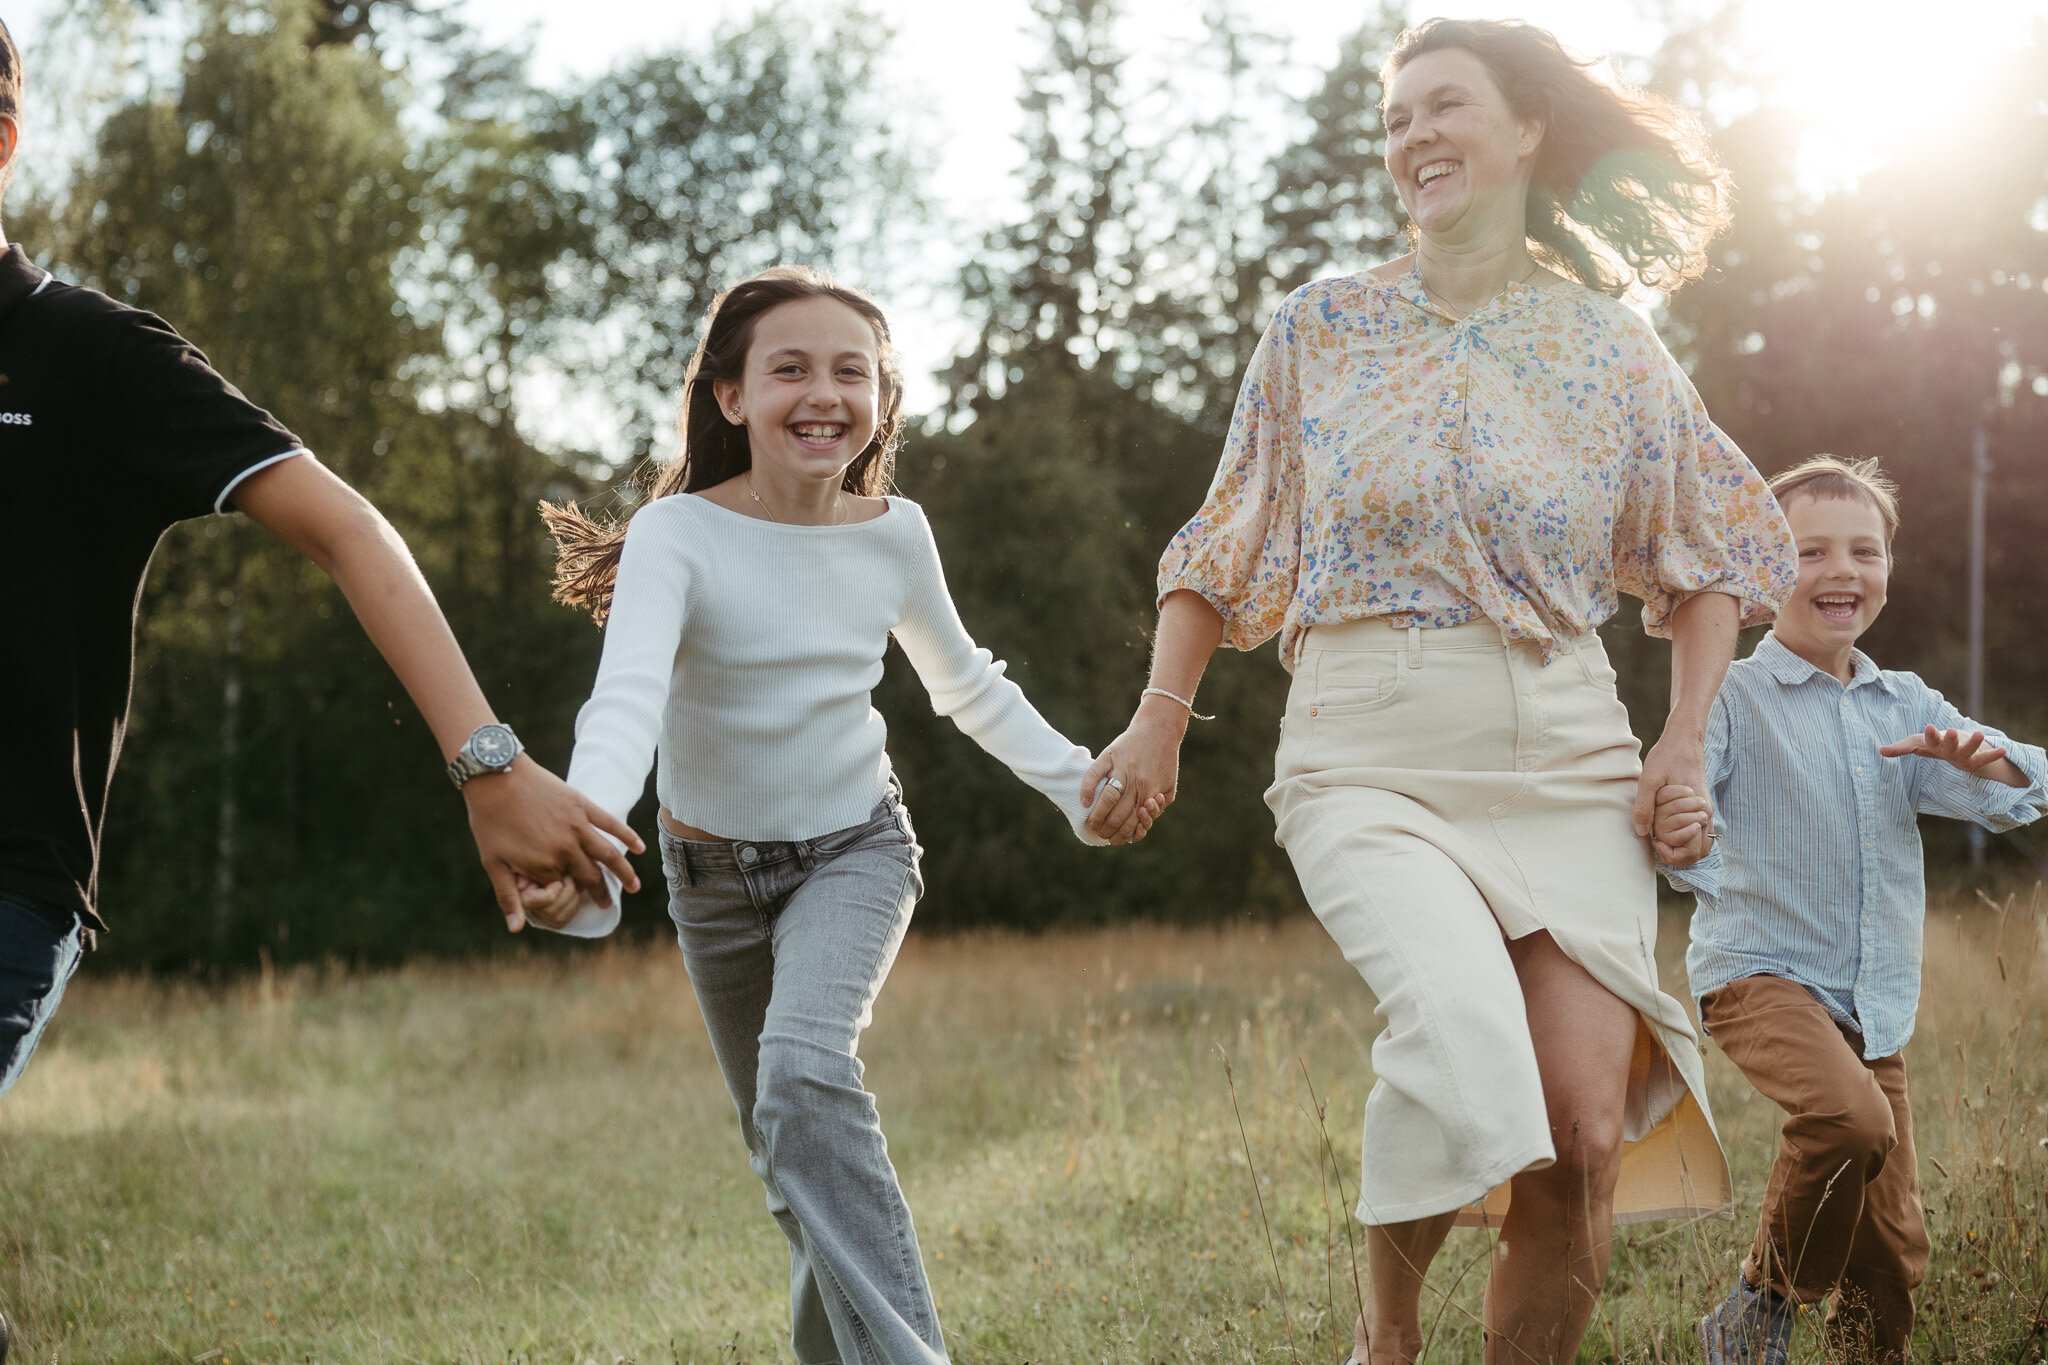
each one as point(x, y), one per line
point(1626, 185)
point(715, 449)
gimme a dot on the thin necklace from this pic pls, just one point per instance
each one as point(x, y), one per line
point(1456, 316)
point(838, 501)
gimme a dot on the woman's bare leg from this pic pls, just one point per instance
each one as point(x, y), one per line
point(1554, 1246)
point(1397, 1257)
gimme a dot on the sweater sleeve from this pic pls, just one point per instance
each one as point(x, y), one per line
point(618, 728)
point(966, 683)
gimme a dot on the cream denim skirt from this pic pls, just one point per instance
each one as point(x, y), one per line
point(1441, 792)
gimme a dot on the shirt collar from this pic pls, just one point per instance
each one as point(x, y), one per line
point(19, 277)
point(1517, 298)
point(1788, 668)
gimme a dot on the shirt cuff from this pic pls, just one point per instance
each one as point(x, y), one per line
point(592, 920)
point(1703, 878)
point(2007, 807)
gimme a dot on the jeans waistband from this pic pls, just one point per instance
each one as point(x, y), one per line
point(701, 857)
point(61, 918)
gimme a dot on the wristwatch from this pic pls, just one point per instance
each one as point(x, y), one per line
point(490, 749)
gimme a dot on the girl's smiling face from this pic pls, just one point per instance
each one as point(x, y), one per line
point(1460, 158)
point(1845, 565)
point(811, 392)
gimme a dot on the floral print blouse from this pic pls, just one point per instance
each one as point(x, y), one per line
point(1521, 464)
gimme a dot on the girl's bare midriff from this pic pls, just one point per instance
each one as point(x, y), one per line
point(683, 831)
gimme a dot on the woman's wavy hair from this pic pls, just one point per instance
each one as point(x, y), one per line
point(714, 449)
point(1626, 185)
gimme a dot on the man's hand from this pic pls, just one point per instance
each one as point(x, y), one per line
point(1968, 753)
point(529, 823)
point(1684, 827)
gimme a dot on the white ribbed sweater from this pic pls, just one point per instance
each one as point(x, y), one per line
point(745, 652)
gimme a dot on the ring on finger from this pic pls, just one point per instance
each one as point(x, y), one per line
point(1116, 784)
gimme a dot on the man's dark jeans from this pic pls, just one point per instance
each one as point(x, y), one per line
point(39, 950)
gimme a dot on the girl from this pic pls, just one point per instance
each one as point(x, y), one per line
point(746, 611)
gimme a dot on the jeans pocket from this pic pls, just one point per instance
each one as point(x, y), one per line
point(675, 860)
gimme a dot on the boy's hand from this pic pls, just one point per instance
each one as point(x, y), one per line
point(529, 822)
point(548, 904)
point(1967, 752)
point(1683, 828)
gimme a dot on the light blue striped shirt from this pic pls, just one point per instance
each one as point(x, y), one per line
point(1817, 874)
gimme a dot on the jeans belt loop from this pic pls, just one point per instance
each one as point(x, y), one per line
point(683, 861)
point(1412, 650)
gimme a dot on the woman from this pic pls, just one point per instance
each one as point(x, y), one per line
point(1438, 475)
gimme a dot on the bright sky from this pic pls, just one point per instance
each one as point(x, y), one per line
point(1866, 74)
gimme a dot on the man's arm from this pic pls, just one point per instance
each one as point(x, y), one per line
point(525, 819)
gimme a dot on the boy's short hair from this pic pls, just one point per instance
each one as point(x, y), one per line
point(1830, 476)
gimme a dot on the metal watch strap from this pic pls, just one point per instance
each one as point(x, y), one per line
point(469, 762)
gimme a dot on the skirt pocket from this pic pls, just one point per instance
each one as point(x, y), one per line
point(1351, 684)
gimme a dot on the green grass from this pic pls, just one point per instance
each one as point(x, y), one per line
point(534, 1161)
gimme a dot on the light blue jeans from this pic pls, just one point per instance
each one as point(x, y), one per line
point(39, 950)
point(787, 946)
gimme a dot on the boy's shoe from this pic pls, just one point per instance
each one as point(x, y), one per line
point(1751, 1327)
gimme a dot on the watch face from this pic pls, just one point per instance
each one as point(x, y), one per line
point(494, 746)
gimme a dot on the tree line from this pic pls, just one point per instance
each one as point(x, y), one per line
point(388, 232)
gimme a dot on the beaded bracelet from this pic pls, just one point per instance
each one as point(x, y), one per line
point(1193, 714)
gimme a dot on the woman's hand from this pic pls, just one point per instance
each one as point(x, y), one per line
point(1142, 768)
point(1676, 760)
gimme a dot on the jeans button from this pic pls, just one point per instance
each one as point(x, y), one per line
point(749, 854)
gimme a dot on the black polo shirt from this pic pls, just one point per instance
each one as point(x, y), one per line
point(112, 427)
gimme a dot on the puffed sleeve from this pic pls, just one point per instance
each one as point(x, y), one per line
point(1694, 514)
point(1242, 551)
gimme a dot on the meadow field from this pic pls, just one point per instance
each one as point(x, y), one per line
point(532, 1160)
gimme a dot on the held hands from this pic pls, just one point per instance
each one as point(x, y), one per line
point(531, 826)
point(1674, 761)
point(551, 905)
point(1133, 782)
point(1684, 826)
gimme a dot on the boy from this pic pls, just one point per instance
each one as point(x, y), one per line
point(1805, 955)
point(112, 427)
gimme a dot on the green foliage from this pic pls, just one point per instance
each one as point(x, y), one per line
point(1889, 319)
point(1049, 513)
point(387, 233)
point(701, 168)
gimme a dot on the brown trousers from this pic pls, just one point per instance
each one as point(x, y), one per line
point(1841, 1214)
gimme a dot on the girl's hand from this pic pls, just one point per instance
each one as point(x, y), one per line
point(1684, 827)
point(551, 905)
point(1141, 768)
point(1147, 813)
point(1968, 752)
